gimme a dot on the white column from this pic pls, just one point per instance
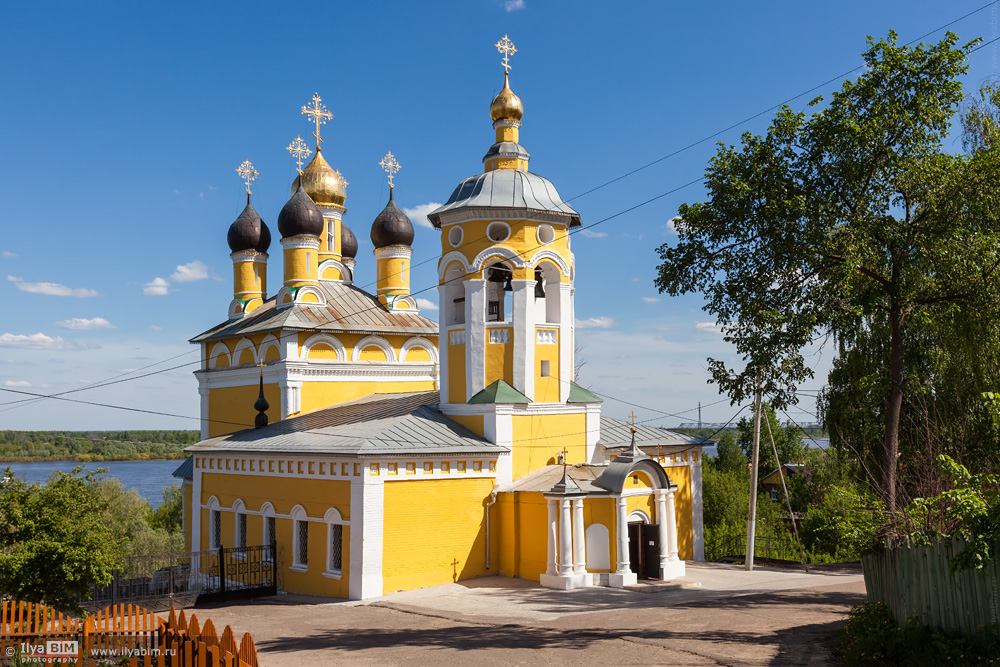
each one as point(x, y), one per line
point(663, 524)
point(444, 343)
point(551, 554)
point(524, 337)
point(565, 539)
point(565, 339)
point(579, 545)
point(622, 528)
point(475, 341)
point(671, 526)
point(203, 392)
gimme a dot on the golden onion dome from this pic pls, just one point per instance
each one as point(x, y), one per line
point(324, 186)
point(506, 105)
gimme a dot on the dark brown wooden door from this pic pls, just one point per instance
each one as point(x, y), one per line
point(650, 551)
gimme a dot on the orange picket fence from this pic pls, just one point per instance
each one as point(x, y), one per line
point(120, 632)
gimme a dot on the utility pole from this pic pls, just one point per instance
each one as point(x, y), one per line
point(699, 414)
point(752, 518)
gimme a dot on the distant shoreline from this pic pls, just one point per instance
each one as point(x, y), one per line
point(88, 459)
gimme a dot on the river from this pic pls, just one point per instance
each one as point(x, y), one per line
point(149, 478)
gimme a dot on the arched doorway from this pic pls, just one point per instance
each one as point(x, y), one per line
point(643, 546)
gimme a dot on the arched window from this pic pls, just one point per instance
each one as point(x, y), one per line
point(300, 539)
point(453, 303)
point(239, 525)
point(269, 533)
point(334, 543)
point(498, 282)
point(547, 293)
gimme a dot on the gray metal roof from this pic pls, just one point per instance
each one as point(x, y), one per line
point(615, 434)
point(347, 309)
point(379, 424)
point(542, 480)
point(185, 470)
point(506, 188)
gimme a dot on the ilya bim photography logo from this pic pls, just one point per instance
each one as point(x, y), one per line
point(45, 651)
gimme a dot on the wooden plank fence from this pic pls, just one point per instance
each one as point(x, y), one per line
point(916, 581)
point(122, 631)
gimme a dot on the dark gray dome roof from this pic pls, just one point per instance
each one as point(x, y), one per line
point(507, 188)
point(391, 226)
point(348, 241)
point(300, 215)
point(248, 231)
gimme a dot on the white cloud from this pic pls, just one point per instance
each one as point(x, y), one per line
point(513, 5)
point(155, 327)
point(201, 195)
point(602, 322)
point(672, 224)
point(16, 383)
point(426, 304)
point(190, 272)
point(52, 289)
point(592, 234)
point(651, 299)
point(38, 341)
point(156, 287)
point(418, 214)
point(82, 324)
point(8, 254)
point(709, 327)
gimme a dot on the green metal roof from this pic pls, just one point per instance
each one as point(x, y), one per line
point(499, 392)
point(578, 394)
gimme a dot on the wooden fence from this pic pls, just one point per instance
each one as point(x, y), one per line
point(127, 632)
point(916, 581)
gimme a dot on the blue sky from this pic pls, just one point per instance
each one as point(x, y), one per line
point(123, 123)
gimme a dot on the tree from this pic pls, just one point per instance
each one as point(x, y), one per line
point(850, 216)
point(786, 441)
point(729, 456)
point(170, 514)
point(55, 539)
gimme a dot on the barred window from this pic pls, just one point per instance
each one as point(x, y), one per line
point(241, 530)
point(216, 529)
point(336, 547)
point(270, 535)
point(302, 530)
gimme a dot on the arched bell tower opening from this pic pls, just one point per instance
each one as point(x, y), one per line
point(499, 278)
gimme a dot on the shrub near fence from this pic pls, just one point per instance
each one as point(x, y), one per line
point(916, 581)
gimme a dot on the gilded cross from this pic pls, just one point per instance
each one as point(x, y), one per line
point(247, 173)
point(298, 150)
point(565, 455)
point(632, 417)
point(390, 166)
point(319, 115)
point(261, 367)
point(506, 47)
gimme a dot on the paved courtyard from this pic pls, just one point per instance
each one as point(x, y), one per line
point(716, 615)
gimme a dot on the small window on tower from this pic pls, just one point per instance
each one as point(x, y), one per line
point(545, 368)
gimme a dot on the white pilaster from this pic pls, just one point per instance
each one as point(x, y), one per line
point(579, 545)
point(623, 576)
point(475, 341)
point(671, 566)
point(565, 538)
point(524, 336)
point(367, 494)
point(565, 339)
point(697, 511)
point(552, 533)
point(203, 392)
point(444, 345)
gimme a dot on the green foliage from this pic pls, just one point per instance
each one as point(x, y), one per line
point(843, 525)
point(170, 514)
point(87, 446)
point(871, 637)
point(730, 457)
point(55, 539)
point(786, 440)
point(153, 541)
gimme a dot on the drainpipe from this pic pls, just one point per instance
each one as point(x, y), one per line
point(493, 499)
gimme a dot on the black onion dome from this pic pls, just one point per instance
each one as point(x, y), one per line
point(348, 241)
point(391, 226)
point(300, 216)
point(248, 231)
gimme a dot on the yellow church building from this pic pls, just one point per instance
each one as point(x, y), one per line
point(392, 452)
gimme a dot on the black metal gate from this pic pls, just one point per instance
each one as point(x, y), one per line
point(160, 580)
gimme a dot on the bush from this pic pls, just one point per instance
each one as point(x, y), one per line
point(871, 637)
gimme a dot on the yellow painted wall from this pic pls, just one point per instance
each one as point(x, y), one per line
point(231, 408)
point(301, 266)
point(539, 439)
point(472, 422)
point(603, 511)
point(500, 360)
point(393, 275)
point(417, 354)
point(434, 532)
point(547, 388)
point(681, 476)
point(317, 395)
point(646, 503)
point(523, 537)
point(315, 496)
point(245, 283)
point(456, 373)
point(373, 353)
point(332, 273)
point(523, 239)
point(188, 514)
point(322, 352)
point(507, 133)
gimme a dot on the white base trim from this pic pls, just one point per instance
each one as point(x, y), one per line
point(567, 582)
point(616, 580)
point(671, 569)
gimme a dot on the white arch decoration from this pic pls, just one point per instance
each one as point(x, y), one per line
point(236, 309)
point(378, 342)
point(310, 289)
point(498, 251)
point(328, 339)
point(238, 505)
point(327, 263)
point(638, 515)
point(213, 503)
point(243, 344)
point(283, 293)
point(453, 256)
point(552, 255)
point(267, 509)
point(421, 342)
point(217, 351)
point(333, 516)
point(270, 340)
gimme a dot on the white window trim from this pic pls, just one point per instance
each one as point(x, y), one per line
point(298, 514)
point(332, 518)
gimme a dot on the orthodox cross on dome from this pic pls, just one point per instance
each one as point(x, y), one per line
point(341, 177)
point(319, 115)
point(390, 166)
point(247, 173)
point(564, 454)
point(506, 47)
point(632, 418)
point(261, 367)
point(298, 150)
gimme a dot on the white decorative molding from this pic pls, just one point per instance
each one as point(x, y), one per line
point(453, 256)
point(279, 298)
point(545, 336)
point(498, 251)
point(499, 336)
point(552, 255)
point(326, 339)
point(219, 350)
point(465, 214)
point(506, 122)
point(456, 337)
point(236, 309)
point(545, 230)
point(378, 342)
point(498, 225)
point(301, 241)
point(455, 239)
point(244, 344)
point(336, 264)
point(393, 252)
point(420, 342)
point(248, 256)
point(310, 289)
point(270, 340)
